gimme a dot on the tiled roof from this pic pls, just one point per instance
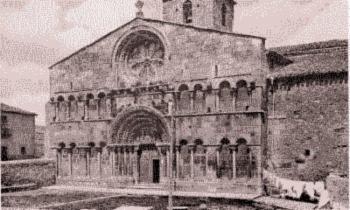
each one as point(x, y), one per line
point(12, 109)
point(313, 58)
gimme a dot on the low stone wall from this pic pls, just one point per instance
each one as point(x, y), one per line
point(338, 188)
point(42, 172)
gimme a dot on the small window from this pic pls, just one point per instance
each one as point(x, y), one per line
point(4, 119)
point(223, 14)
point(23, 151)
point(307, 152)
point(187, 11)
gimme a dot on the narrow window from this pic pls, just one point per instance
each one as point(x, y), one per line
point(23, 151)
point(223, 14)
point(187, 11)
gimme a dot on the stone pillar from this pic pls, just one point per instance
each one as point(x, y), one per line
point(250, 162)
point(70, 151)
point(168, 162)
point(117, 162)
point(98, 107)
point(234, 163)
point(120, 161)
point(56, 111)
point(206, 162)
point(162, 164)
point(136, 166)
point(86, 110)
point(58, 162)
point(108, 107)
point(191, 102)
point(178, 162)
point(234, 96)
point(112, 160)
point(67, 117)
point(217, 99)
point(192, 162)
point(218, 158)
point(99, 162)
point(87, 155)
point(259, 165)
point(125, 161)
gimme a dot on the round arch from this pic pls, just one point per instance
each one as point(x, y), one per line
point(140, 122)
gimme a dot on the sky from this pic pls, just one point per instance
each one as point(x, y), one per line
point(34, 34)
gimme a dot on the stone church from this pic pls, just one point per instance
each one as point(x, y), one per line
point(119, 104)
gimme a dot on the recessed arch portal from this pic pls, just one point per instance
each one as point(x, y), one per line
point(140, 125)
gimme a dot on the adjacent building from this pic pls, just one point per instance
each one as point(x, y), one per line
point(17, 133)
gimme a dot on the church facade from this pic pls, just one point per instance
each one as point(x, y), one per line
point(118, 105)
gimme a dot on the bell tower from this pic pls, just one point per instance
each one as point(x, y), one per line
point(213, 14)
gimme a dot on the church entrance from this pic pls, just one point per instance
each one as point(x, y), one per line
point(146, 131)
point(149, 164)
point(156, 170)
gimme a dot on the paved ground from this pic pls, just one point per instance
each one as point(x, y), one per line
point(159, 192)
point(283, 203)
point(277, 202)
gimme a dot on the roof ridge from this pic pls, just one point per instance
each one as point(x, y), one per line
point(12, 109)
point(304, 48)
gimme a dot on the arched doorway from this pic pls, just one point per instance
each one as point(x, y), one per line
point(146, 130)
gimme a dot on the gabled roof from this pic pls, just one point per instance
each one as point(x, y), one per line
point(313, 58)
point(157, 21)
point(12, 109)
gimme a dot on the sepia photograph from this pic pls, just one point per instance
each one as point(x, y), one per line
point(174, 104)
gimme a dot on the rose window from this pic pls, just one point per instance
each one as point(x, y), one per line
point(142, 54)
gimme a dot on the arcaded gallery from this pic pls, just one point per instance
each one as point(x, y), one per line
point(119, 104)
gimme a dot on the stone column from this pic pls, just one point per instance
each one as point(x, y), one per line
point(58, 162)
point(86, 110)
point(250, 162)
point(234, 96)
point(258, 164)
point(70, 151)
point(192, 162)
point(117, 162)
point(234, 163)
point(125, 166)
point(56, 111)
point(162, 164)
point(217, 100)
point(98, 101)
point(120, 161)
point(99, 151)
point(206, 162)
point(108, 107)
point(112, 160)
point(191, 102)
point(87, 155)
point(218, 158)
point(178, 162)
point(136, 165)
point(67, 117)
point(168, 163)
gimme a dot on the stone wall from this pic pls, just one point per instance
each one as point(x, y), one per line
point(191, 54)
point(39, 171)
point(307, 126)
point(338, 189)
